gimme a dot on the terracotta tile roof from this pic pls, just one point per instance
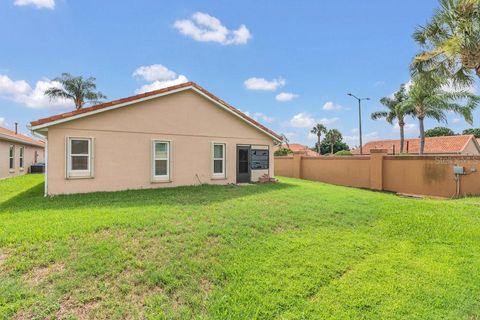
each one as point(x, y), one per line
point(67, 115)
point(10, 135)
point(433, 145)
point(296, 147)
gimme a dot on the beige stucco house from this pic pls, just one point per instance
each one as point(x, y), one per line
point(18, 152)
point(180, 135)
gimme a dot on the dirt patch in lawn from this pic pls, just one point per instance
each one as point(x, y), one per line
point(212, 241)
point(3, 258)
point(39, 274)
point(206, 286)
point(69, 307)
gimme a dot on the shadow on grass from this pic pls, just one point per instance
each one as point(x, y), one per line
point(32, 199)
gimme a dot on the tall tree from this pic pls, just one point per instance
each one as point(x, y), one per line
point(326, 147)
point(282, 150)
point(78, 89)
point(284, 140)
point(474, 131)
point(318, 130)
point(395, 111)
point(332, 137)
point(451, 41)
point(439, 132)
point(429, 99)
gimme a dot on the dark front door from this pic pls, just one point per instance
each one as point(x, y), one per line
point(243, 164)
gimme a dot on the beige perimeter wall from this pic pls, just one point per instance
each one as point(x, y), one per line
point(29, 158)
point(422, 175)
point(123, 137)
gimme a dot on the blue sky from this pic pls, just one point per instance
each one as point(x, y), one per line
point(249, 53)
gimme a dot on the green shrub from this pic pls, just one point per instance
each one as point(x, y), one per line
point(343, 153)
point(282, 152)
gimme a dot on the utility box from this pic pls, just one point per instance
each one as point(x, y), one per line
point(458, 170)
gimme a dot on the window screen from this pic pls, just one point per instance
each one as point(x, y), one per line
point(259, 159)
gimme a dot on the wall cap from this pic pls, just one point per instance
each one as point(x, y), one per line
point(379, 151)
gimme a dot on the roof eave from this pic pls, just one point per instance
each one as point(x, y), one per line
point(21, 141)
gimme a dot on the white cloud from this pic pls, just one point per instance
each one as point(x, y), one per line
point(354, 139)
point(328, 121)
point(291, 135)
point(286, 96)
point(302, 120)
point(259, 116)
point(263, 117)
point(156, 85)
point(3, 122)
point(312, 136)
point(39, 4)
point(330, 106)
point(456, 120)
point(380, 83)
point(409, 128)
point(263, 84)
point(206, 28)
point(159, 76)
point(21, 92)
point(305, 120)
point(155, 72)
point(371, 136)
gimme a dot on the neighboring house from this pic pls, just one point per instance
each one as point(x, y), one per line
point(18, 152)
point(180, 135)
point(464, 144)
point(296, 147)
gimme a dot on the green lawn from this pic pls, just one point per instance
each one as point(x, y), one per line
point(291, 250)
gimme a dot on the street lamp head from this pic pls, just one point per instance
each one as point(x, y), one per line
point(349, 94)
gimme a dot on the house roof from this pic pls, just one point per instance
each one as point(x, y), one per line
point(297, 147)
point(433, 145)
point(72, 115)
point(9, 135)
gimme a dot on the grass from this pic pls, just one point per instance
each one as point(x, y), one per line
point(291, 250)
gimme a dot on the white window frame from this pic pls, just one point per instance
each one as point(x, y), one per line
point(72, 174)
point(223, 174)
point(21, 158)
point(11, 158)
point(166, 177)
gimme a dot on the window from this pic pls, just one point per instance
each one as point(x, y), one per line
point(219, 160)
point(20, 157)
point(161, 160)
point(259, 159)
point(11, 157)
point(79, 158)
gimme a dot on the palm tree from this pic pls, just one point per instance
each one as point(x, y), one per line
point(75, 88)
point(333, 136)
point(395, 112)
point(318, 130)
point(451, 41)
point(283, 140)
point(428, 98)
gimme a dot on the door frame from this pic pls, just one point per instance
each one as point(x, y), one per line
point(237, 162)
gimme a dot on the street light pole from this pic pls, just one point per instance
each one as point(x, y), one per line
point(359, 118)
